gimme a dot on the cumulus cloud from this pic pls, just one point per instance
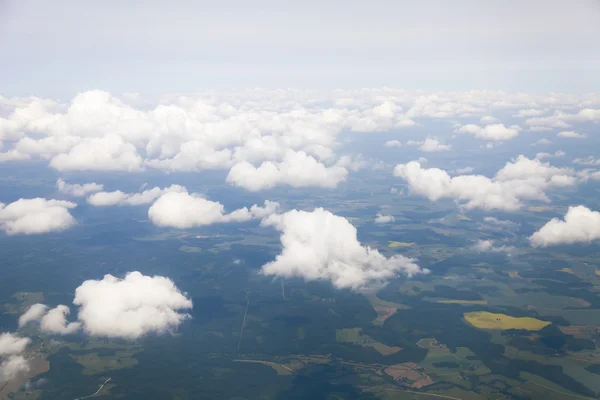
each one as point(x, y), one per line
point(542, 155)
point(587, 161)
point(384, 219)
point(393, 143)
point(130, 307)
point(55, 321)
point(33, 313)
point(579, 225)
point(131, 199)
point(434, 145)
point(522, 179)
point(34, 216)
point(571, 135)
point(319, 245)
point(494, 132)
point(297, 169)
point(484, 246)
point(184, 210)
point(77, 190)
point(11, 362)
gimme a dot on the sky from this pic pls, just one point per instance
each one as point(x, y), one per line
point(63, 47)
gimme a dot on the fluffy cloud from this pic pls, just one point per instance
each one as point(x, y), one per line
point(319, 245)
point(33, 216)
point(130, 307)
point(393, 143)
point(484, 246)
point(542, 141)
point(433, 145)
point(33, 313)
point(11, 362)
point(571, 135)
point(522, 179)
point(297, 169)
point(55, 321)
point(495, 132)
point(579, 225)
point(12, 344)
point(76, 190)
point(112, 307)
point(131, 199)
point(384, 219)
point(183, 210)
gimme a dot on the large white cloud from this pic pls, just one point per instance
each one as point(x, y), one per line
point(522, 179)
point(131, 199)
point(11, 362)
point(184, 210)
point(12, 344)
point(77, 190)
point(130, 307)
point(112, 307)
point(319, 245)
point(579, 225)
point(34, 216)
point(297, 169)
point(12, 366)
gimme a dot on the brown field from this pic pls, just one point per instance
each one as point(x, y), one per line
point(36, 366)
point(409, 371)
point(581, 301)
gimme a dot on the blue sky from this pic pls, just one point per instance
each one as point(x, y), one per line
point(62, 47)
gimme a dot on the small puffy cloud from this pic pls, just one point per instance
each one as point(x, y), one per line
point(542, 155)
point(12, 344)
point(384, 219)
point(130, 307)
point(131, 199)
point(55, 321)
point(34, 216)
point(108, 153)
point(12, 366)
point(183, 210)
point(579, 225)
point(542, 141)
point(495, 132)
point(319, 245)
point(33, 313)
point(500, 223)
point(522, 179)
point(297, 169)
point(571, 135)
point(484, 246)
point(393, 143)
point(77, 190)
point(434, 145)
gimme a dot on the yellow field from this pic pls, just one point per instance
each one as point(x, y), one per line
point(514, 274)
point(480, 302)
point(400, 244)
point(488, 320)
point(567, 270)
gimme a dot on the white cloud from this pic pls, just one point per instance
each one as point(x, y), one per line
point(587, 161)
point(55, 321)
point(571, 135)
point(484, 246)
point(109, 153)
point(33, 216)
point(297, 169)
point(464, 170)
point(12, 366)
point(501, 223)
point(11, 344)
point(579, 225)
point(495, 132)
point(130, 307)
point(76, 190)
point(488, 120)
point(384, 219)
point(414, 142)
point(393, 143)
point(183, 210)
point(102, 199)
point(530, 112)
point(319, 245)
point(542, 155)
point(33, 313)
point(433, 145)
point(522, 179)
